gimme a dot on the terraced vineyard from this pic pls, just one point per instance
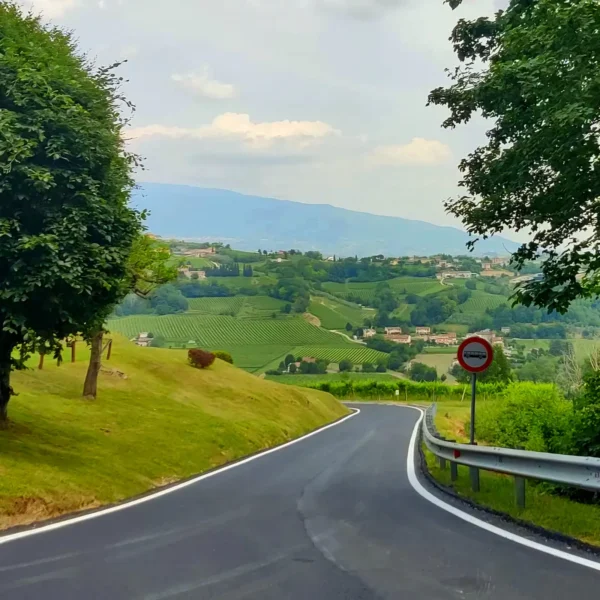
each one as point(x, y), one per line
point(216, 306)
point(400, 285)
point(216, 332)
point(480, 301)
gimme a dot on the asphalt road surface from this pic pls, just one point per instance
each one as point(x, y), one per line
point(332, 517)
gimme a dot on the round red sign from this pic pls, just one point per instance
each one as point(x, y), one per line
point(475, 354)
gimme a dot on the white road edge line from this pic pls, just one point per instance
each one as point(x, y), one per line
point(415, 483)
point(107, 511)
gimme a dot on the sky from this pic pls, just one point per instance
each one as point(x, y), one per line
point(317, 101)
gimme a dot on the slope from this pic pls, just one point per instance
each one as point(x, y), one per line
point(164, 422)
point(251, 222)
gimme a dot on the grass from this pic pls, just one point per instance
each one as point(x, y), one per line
point(235, 283)
point(441, 362)
point(400, 285)
point(243, 307)
point(581, 521)
point(440, 350)
point(164, 422)
point(199, 263)
point(335, 315)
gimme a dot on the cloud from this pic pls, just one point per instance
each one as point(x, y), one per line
point(418, 152)
point(50, 8)
point(362, 9)
point(241, 127)
point(202, 85)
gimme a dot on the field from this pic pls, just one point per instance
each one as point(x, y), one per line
point(404, 311)
point(400, 285)
point(335, 315)
point(243, 307)
point(480, 301)
point(356, 353)
point(165, 422)
point(307, 380)
point(583, 347)
point(199, 263)
point(441, 362)
point(235, 283)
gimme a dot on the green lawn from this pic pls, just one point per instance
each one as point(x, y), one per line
point(163, 422)
point(581, 521)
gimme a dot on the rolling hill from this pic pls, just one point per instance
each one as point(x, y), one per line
point(251, 222)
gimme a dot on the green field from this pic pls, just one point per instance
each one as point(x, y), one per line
point(235, 283)
point(335, 315)
point(404, 311)
point(441, 363)
point(400, 285)
point(308, 380)
point(480, 301)
point(583, 347)
point(199, 263)
point(243, 307)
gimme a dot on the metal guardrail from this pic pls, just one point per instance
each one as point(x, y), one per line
point(577, 471)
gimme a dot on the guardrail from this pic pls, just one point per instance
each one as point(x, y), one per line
point(577, 471)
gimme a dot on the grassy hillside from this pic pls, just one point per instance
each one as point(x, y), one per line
point(164, 422)
point(243, 307)
point(335, 315)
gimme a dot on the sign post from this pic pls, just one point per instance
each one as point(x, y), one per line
point(475, 355)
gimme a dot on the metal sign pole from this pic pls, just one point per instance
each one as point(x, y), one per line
point(473, 393)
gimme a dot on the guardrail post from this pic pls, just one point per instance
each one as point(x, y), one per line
point(453, 471)
point(442, 462)
point(520, 491)
point(474, 472)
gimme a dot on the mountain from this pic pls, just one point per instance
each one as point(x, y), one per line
point(251, 222)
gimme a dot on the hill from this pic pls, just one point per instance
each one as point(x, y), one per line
point(164, 422)
point(251, 222)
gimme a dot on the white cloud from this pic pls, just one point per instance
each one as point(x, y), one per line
point(361, 8)
point(50, 8)
point(202, 85)
point(418, 152)
point(240, 126)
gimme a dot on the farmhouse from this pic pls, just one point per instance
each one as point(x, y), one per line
point(200, 252)
point(423, 330)
point(445, 339)
point(393, 330)
point(458, 274)
point(143, 339)
point(369, 333)
point(399, 339)
point(496, 273)
point(489, 335)
point(505, 330)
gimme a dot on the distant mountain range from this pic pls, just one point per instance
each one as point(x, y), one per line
point(252, 222)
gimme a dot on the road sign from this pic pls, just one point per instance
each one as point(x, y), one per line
point(475, 354)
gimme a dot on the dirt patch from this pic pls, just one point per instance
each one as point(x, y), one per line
point(113, 372)
point(308, 317)
point(25, 510)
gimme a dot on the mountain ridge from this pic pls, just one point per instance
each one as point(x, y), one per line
point(249, 222)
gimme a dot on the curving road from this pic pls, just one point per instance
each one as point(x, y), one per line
point(332, 517)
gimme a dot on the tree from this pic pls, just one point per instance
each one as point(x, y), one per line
point(349, 327)
point(66, 228)
point(471, 285)
point(421, 372)
point(147, 267)
point(558, 347)
point(293, 368)
point(289, 359)
point(539, 168)
point(345, 365)
point(286, 309)
point(368, 368)
point(158, 341)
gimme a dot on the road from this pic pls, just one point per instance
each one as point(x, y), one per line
point(332, 517)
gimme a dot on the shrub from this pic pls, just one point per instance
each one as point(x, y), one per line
point(225, 356)
point(273, 372)
point(200, 359)
point(345, 365)
point(528, 416)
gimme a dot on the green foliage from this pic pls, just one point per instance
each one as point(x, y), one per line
point(293, 368)
point(538, 170)
point(345, 365)
point(421, 372)
point(541, 370)
point(66, 229)
point(529, 416)
point(368, 368)
point(471, 285)
point(225, 356)
point(158, 342)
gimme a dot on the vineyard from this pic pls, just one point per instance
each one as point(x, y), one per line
point(480, 301)
point(307, 380)
point(353, 352)
point(335, 315)
point(400, 285)
point(216, 332)
point(243, 307)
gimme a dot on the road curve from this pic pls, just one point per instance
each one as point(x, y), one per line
point(332, 517)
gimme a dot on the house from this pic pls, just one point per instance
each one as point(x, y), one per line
point(393, 330)
point(496, 273)
point(143, 339)
point(487, 266)
point(423, 330)
point(331, 258)
point(281, 252)
point(369, 333)
point(444, 339)
point(500, 262)
point(458, 274)
point(201, 274)
point(444, 264)
point(505, 330)
point(489, 335)
point(200, 252)
point(399, 339)
point(309, 359)
point(395, 262)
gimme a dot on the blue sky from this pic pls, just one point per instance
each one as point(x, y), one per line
point(319, 101)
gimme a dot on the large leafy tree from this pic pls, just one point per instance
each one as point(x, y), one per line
point(534, 69)
point(66, 228)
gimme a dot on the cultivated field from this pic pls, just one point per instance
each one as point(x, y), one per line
point(243, 307)
point(400, 285)
point(335, 315)
point(480, 301)
point(441, 362)
point(307, 380)
point(354, 352)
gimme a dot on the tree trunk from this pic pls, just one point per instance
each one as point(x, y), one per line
point(5, 389)
point(90, 388)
